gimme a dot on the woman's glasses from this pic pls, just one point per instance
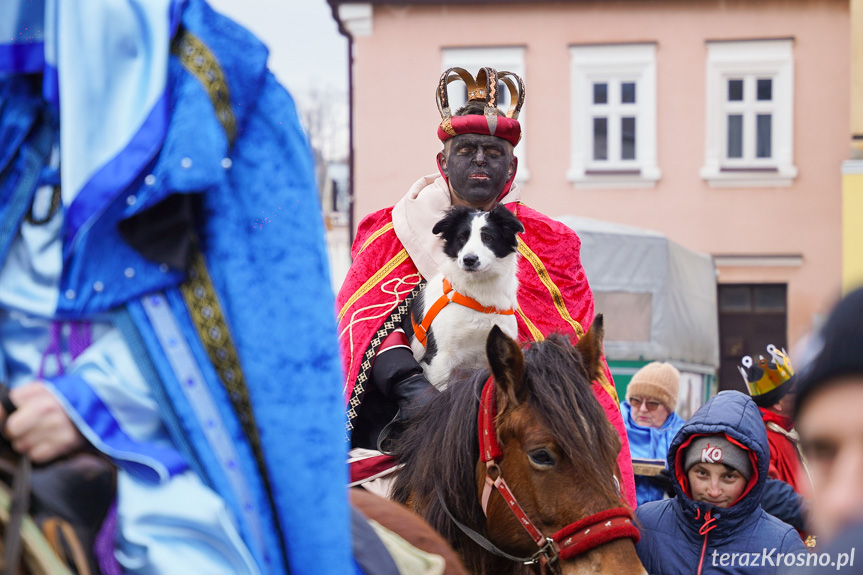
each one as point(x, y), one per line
point(636, 402)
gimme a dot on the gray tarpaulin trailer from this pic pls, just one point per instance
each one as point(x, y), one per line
point(659, 303)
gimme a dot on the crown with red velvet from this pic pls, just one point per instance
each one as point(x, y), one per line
point(483, 88)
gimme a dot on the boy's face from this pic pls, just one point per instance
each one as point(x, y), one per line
point(831, 433)
point(715, 483)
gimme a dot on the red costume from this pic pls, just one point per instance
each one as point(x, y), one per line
point(785, 462)
point(553, 290)
point(395, 249)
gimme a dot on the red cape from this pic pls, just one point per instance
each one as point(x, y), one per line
point(785, 462)
point(553, 296)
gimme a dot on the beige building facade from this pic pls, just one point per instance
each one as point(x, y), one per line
point(722, 124)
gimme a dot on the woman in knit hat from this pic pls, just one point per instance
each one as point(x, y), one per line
point(651, 423)
point(714, 523)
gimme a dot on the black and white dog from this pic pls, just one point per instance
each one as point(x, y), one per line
point(475, 289)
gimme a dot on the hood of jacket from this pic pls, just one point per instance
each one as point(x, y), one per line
point(735, 415)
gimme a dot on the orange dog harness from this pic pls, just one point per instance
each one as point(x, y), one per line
point(421, 329)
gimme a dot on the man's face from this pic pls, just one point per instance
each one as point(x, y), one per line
point(831, 432)
point(477, 166)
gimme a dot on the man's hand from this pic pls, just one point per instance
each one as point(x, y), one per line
point(40, 428)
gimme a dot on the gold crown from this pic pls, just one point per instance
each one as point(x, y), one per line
point(765, 375)
point(482, 88)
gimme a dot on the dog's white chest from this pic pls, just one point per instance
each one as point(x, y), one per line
point(459, 336)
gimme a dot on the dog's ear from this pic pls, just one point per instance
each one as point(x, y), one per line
point(506, 220)
point(446, 223)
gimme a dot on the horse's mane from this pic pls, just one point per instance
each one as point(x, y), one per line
point(440, 448)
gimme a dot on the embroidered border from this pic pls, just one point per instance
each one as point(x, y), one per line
point(203, 405)
point(556, 296)
point(394, 321)
point(209, 321)
point(200, 298)
point(534, 331)
point(388, 267)
point(200, 61)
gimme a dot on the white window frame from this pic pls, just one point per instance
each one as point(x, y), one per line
point(615, 64)
point(508, 58)
point(749, 60)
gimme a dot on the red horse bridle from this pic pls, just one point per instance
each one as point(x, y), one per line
point(570, 541)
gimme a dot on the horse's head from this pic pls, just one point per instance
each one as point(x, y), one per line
point(557, 453)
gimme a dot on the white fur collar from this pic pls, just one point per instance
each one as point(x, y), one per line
point(418, 211)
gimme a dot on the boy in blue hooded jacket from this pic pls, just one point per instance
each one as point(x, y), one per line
point(715, 523)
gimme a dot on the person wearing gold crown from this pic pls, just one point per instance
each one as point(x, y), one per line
point(770, 382)
point(395, 249)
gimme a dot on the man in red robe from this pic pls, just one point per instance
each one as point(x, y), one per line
point(395, 250)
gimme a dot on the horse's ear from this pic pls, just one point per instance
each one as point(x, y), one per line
point(507, 365)
point(590, 348)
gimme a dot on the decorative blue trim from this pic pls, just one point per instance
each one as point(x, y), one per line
point(51, 85)
point(123, 321)
point(196, 392)
point(151, 462)
point(22, 58)
point(116, 175)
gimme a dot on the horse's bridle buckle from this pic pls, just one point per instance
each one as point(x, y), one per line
point(547, 554)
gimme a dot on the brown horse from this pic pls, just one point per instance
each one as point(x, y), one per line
point(533, 432)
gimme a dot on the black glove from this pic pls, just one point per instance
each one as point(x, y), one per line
point(399, 377)
point(664, 480)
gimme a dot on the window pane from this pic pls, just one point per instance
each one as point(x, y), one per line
point(735, 90)
point(735, 298)
point(502, 95)
point(627, 138)
point(765, 89)
point(627, 92)
point(600, 93)
point(600, 138)
point(769, 298)
point(735, 136)
point(763, 135)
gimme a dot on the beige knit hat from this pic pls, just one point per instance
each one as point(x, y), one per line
point(660, 381)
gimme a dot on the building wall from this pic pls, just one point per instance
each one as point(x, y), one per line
point(398, 65)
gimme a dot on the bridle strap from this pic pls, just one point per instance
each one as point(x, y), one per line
point(483, 541)
point(595, 530)
point(421, 329)
point(570, 541)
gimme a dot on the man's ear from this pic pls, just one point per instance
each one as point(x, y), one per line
point(441, 158)
point(511, 170)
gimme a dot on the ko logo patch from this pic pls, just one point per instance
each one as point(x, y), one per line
point(711, 454)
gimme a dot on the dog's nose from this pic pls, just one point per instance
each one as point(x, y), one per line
point(470, 260)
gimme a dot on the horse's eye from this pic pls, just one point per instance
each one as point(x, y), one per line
point(541, 458)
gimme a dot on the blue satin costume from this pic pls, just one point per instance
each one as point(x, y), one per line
point(138, 128)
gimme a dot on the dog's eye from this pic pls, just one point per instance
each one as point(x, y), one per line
point(485, 237)
point(463, 238)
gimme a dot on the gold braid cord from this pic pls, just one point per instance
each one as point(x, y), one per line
point(200, 61)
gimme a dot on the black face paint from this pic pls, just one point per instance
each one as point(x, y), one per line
point(478, 166)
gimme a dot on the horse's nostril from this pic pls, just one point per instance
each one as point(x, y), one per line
point(470, 260)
